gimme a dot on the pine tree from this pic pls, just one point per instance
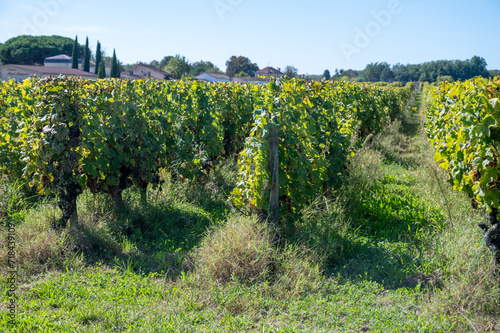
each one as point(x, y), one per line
point(74, 55)
point(98, 56)
point(86, 57)
point(101, 72)
point(115, 67)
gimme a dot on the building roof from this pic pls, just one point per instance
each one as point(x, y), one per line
point(125, 74)
point(250, 79)
point(218, 76)
point(211, 77)
point(268, 70)
point(60, 59)
point(151, 67)
point(202, 77)
point(52, 70)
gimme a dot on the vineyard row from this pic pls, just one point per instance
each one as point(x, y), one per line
point(67, 135)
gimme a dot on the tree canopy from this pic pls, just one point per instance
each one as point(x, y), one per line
point(160, 64)
point(373, 71)
point(236, 65)
point(164, 61)
point(32, 50)
point(155, 63)
point(350, 73)
point(291, 71)
point(204, 67)
point(428, 71)
point(178, 66)
point(494, 72)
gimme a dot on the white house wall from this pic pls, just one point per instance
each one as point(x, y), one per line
point(14, 73)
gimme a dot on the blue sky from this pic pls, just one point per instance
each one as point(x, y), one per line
point(312, 35)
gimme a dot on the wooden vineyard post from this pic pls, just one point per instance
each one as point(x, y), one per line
point(273, 219)
point(73, 223)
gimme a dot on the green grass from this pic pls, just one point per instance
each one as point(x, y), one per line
point(394, 249)
point(98, 299)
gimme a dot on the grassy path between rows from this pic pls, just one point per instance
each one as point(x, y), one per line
point(395, 249)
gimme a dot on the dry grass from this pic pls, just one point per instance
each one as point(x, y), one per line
point(37, 248)
point(298, 271)
point(241, 251)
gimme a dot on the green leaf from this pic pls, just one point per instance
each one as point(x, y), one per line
point(489, 121)
point(113, 181)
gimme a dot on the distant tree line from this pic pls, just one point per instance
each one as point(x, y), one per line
point(494, 72)
point(433, 71)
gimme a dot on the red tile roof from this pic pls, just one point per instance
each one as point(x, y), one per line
point(250, 79)
point(126, 74)
point(268, 70)
point(53, 70)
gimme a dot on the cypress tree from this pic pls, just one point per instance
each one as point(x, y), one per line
point(86, 57)
point(98, 56)
point(74, 55)
point(326, 75)
point(115, 68)
point(101, 72)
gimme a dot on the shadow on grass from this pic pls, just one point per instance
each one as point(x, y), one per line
point(402, 152)
point(410, 119)
point(379, 231)
point(154, 237)
point(372, 245)
point(379, 237)
point(397, 143)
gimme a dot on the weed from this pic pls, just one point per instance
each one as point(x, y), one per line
point(240, 251)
